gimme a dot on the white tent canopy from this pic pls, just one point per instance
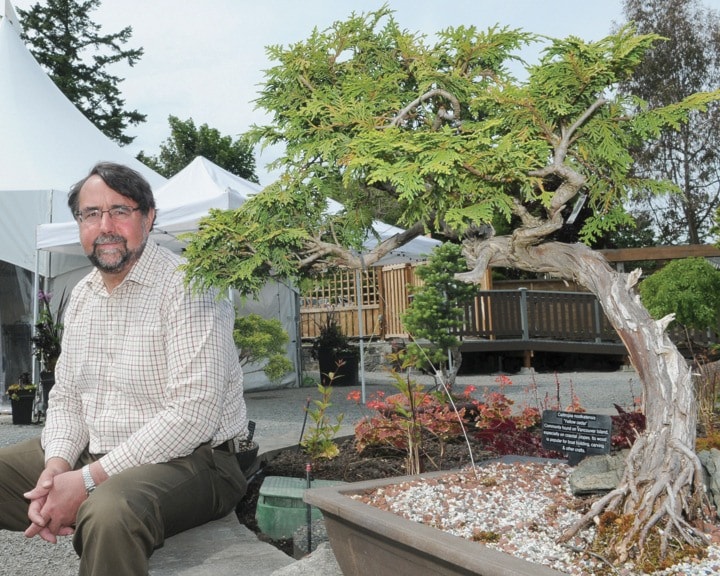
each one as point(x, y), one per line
point(46, 145)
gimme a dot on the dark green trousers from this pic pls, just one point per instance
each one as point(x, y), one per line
point(129, 515)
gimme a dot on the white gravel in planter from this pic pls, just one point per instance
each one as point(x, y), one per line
point(517, 508)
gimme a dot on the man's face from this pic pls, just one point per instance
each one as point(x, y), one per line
point(113, 244)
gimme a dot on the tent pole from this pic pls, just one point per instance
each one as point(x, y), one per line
point(36, 311)
point(361, 328)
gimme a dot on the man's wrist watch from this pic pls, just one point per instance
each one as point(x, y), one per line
point(88, 479)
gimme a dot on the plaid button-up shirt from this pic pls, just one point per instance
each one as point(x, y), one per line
point(147, 372)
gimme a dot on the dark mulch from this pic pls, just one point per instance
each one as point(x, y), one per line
point(349, 466)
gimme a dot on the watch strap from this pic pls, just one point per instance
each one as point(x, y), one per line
point(88, 479)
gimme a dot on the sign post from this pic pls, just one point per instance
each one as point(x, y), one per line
point(576, 434)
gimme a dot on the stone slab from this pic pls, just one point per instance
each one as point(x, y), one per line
point(220, 548)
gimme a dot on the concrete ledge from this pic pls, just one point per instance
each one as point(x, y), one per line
point(217, 548)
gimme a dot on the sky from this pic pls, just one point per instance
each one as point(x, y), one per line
point(205, 60)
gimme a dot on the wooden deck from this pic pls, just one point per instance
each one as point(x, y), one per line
point(518, 320)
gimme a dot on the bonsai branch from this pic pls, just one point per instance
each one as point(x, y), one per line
point(402, 115)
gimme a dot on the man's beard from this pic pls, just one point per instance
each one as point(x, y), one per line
point(113, 266)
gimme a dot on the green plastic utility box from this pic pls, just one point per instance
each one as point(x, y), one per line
point(280, 508)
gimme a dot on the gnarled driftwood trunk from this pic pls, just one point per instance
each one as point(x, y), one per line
point(663, 485)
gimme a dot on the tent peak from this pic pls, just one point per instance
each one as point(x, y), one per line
point(10, 15)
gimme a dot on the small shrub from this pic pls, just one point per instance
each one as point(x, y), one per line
point(319, 442)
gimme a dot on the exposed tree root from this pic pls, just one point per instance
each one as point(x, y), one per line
point(651, 504)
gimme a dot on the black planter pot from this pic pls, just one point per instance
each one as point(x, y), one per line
point(246, 456)
point(342, 364)
point(22, 409)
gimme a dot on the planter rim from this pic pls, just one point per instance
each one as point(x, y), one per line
point(335, 501)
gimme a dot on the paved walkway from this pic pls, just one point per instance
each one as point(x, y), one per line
point(280, 420)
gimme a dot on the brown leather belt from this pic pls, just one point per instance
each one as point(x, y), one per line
point(227, 446)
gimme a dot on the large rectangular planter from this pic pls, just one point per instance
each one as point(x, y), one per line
point(367, 540)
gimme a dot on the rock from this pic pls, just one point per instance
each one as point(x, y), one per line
point(710, 460)
point(599, 473)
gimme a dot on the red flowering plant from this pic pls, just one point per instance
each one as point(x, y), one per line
point(48, 332)
point(504, 429)
point(402, 421)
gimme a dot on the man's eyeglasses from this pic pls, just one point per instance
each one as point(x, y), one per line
point(94, 215)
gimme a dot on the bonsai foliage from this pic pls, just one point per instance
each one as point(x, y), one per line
point(447, 132)
point(437, 312)
point(260, 339)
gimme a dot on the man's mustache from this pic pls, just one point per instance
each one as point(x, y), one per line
point(108, 239)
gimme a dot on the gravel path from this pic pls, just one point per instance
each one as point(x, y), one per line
point(279, 415)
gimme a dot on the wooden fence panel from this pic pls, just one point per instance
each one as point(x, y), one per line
point(506, 318)
point(336, 294)
point(397, 280)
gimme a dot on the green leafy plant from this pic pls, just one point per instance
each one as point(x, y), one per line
point(436, 311)
point(689, 289)
point(261, 339)
point(47, 340)
point(402, 420)
point(319, 442)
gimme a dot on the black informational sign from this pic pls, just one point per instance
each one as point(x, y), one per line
point(576, 434)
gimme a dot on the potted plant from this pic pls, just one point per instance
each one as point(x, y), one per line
point(47, 340)
point(337, 358)
point(22, 396)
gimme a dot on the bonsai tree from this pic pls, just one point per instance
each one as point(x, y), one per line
point(259, 339)
point(446, 131)
point(436, 310)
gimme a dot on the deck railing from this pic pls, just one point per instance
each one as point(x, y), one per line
point(493, 319)
point(529, 314)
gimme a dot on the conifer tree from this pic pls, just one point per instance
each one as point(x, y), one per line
point(686, 61)
point(186, 141)
point(69, 46)
point(457, 141)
